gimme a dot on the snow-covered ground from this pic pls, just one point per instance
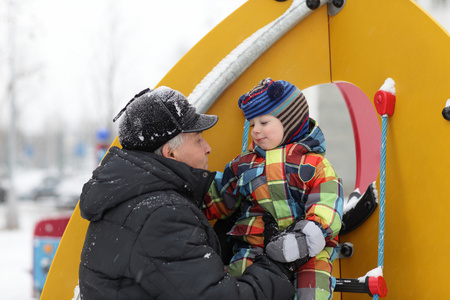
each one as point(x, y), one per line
point(16, 254)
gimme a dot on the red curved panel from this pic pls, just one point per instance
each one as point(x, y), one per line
point(367, 133)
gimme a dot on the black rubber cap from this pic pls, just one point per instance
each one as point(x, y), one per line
point(313, 4)
point(446, 113)
point(338, 3)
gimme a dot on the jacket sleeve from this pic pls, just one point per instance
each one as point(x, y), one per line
point(324, 203)
point(173, 259)
point(222, 198)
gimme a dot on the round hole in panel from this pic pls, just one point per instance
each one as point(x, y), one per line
point(352, 132)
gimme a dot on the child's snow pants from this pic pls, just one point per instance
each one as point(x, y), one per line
point(313, 280)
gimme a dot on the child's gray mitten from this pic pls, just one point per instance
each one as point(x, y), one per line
point(301, 240)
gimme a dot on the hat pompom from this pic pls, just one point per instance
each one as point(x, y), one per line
point(275, 90)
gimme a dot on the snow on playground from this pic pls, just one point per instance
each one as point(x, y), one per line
point(16, 259)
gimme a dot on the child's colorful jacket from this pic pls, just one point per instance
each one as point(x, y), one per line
point(292, 182)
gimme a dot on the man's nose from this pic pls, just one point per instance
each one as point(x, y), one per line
point(207, 148)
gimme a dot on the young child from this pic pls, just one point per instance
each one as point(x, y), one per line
point(286, 174)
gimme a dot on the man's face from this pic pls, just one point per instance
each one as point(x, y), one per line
point(193, 151)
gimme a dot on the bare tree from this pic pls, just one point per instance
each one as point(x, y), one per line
point(17, 69)
point(106, 63)
point(11, 215)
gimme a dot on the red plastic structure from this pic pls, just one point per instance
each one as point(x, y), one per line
point(377, 286)
point(384, 103)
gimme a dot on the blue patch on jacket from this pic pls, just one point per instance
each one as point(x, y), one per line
point(306, 172)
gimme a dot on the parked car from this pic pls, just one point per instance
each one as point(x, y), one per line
point(3, 193)
point(47, 188)
point(61, 190)
point(69, 190)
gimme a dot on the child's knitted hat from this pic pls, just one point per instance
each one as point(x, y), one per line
point(282, 100)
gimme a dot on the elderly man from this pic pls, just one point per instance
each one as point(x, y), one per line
point(147, 237)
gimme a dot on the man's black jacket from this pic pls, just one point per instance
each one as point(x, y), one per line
point(148, 239)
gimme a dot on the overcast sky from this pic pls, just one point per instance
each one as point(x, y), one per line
point(64, 48)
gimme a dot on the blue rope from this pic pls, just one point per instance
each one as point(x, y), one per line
point(245, 136)
point(382, 194)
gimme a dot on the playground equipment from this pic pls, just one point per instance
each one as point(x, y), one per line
point(47, 236)
point(356, 46)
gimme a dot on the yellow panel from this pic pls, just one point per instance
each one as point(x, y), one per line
point(304, 48)
point(371, 41)
point(302, 57)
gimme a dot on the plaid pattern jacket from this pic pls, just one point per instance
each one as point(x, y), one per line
point(292, 182)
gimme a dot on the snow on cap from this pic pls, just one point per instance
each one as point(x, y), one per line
point(153, 117)
point(388, 86)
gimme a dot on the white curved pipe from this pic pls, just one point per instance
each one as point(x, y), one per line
point(237, 61)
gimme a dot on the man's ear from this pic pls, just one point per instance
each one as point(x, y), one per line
point(167, 152)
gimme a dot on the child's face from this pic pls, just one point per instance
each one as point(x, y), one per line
point(267, 131)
